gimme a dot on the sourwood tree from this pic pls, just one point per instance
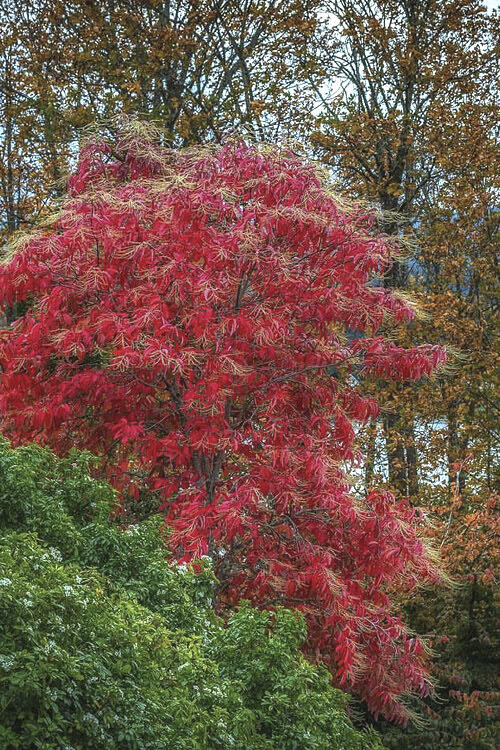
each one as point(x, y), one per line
point(196, 318)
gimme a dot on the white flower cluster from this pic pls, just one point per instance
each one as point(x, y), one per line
point(91, 718)
point(214, 691)
point(132, 529)
point(6, 661)
point(5, 581)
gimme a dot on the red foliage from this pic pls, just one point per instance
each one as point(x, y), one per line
point(202, 319)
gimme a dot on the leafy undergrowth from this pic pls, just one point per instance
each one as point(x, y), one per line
point(104, 644)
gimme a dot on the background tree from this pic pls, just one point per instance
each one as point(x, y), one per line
point(410, 120)
point(201, 69)
point(462, 623)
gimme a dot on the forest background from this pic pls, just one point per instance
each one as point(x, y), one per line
point(398, 98)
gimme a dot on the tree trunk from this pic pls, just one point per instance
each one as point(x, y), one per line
point(396, 455)
point(370, 455)
point(411, 460)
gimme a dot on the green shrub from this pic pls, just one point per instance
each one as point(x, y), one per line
point(103, 644)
